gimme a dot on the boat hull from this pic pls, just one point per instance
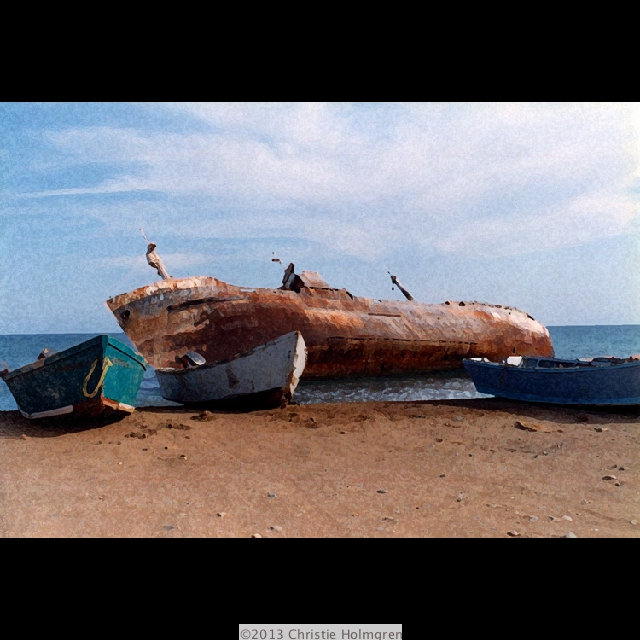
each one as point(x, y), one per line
point(345, 335)
point(607, 385)
point(97, 376)
point(266, 376)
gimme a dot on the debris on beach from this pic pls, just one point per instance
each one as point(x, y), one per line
point(525, 427)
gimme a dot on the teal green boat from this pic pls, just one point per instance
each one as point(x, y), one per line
point(98, 376)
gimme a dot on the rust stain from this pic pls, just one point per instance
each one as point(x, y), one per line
point(345, 335)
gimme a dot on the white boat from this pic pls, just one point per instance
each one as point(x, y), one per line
point(265, 376)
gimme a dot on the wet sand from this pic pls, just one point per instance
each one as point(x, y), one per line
point(456, 468)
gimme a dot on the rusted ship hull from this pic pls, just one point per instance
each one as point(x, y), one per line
point(345, 335)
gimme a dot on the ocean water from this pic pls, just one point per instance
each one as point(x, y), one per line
point(568, 342)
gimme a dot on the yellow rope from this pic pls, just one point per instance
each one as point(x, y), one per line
point(106, 363)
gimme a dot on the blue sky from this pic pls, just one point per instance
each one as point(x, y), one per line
point(532, 205)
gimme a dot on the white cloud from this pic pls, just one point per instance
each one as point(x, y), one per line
point(584, 219)
point(368, 179)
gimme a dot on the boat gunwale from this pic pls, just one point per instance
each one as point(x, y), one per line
point(210, 365)
point(164, 287)
point(104, 339)
point(586, 368)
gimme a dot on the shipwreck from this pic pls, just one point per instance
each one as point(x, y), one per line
point(345, 335)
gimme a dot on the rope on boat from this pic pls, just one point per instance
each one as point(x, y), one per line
point(106, 363)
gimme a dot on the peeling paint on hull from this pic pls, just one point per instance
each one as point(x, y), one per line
point(97, 376)
point(345, 335)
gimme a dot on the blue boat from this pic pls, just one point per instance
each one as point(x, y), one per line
point(98, 376)
point(584, 381)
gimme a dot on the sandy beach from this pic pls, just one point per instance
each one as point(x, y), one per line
point(457, 468)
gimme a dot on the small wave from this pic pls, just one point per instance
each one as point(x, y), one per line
point(445, 386)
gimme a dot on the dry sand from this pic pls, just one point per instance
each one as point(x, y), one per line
point(477, 468)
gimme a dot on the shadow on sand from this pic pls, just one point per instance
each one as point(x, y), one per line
point(13, 424)
point(551, 412)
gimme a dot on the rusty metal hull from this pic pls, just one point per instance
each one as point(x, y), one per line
point(345, 335)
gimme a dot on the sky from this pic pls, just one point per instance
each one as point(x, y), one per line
point(531, 205)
